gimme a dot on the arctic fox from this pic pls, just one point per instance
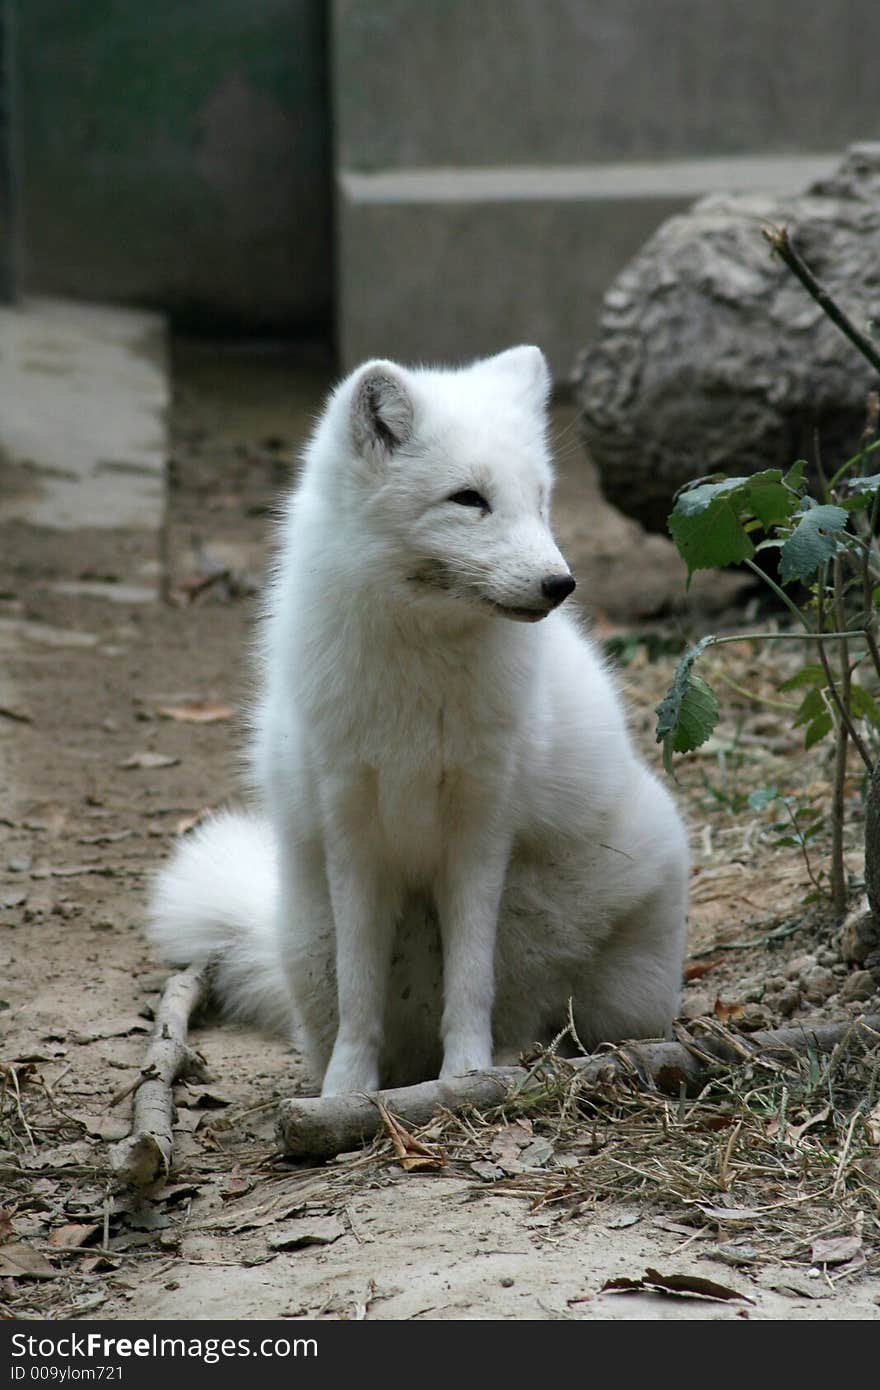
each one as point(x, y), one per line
point(455, 837)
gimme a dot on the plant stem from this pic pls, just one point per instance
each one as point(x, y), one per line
point(752, 695)
point(779, 240)
point(851, 463)
point(801, 839)
point(841, 748)
point(842, 709)
point(867, 598)
point(808, 636)
point(780, 593)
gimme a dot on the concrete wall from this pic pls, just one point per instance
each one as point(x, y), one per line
point(176, 153)
point(9, 205)
point(498, 161)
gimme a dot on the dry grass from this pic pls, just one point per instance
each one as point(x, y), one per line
point(768, 1157)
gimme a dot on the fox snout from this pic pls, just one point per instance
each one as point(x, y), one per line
point(557, 587)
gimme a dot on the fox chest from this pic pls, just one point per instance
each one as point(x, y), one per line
point(423, 780)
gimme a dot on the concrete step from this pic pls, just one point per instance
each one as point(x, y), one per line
point(446, 264)
point(83, 433)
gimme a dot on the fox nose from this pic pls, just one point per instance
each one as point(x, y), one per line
point(557, 587)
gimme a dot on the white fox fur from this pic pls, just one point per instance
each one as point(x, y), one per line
point(455, 836)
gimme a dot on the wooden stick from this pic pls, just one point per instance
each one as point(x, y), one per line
point(322, 1126)
point(144, 1157)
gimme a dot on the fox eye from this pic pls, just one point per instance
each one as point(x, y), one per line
point(469, 497)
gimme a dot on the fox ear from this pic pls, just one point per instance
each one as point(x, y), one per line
point(381, 411)
point(528, 366)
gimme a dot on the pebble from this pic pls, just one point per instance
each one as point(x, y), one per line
point(857, 986)
point(818, 983)
point(753, 1016)
point(799, 966)
point(788, 1000)
point(697, 1003)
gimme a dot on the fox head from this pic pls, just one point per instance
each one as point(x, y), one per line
point(447, 478)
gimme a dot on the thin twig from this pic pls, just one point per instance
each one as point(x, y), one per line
point(780, 242)
point(841, 749)
point(867, 585)
point(841, 708)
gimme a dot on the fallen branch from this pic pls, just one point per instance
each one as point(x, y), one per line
point(322, 1126)
point(145, 1156)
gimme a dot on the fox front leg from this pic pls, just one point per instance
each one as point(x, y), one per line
point(365, 908)
point(468, 904)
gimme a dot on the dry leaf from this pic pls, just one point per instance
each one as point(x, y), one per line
point(302, 1233)
point(872, 1124)
point(413, 1154)
point(196, 712)
point(489, 1172)
point(149, 760)
point(237, 1185)
point(731, 1214)
point(734, 1252)
point(23, 1262)
point(696, 969)
point(835, 1250)
point(676, 1286)
point(620, 1223)
point(725, 1012)
point(793, 1133)
point(98, 1264)
point(73, 1237)
point(536, 1154)
point(205, 1098)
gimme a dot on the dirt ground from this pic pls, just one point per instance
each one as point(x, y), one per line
point(95, 673)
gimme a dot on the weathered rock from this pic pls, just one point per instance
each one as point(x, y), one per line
point(711, 357)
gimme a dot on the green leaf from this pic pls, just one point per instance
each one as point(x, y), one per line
point(710, 522)
point(814, 540)
point(757, 800)
point(688, 712)
point(697, 716)
point(812, 674)
point(706, 528)
point(811, 706)
point(820, 726)
point(795, 475)
point(769, 498)
point(864, 705)
point(862, 492)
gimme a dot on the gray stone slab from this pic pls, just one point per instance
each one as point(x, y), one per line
point(83, 397)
